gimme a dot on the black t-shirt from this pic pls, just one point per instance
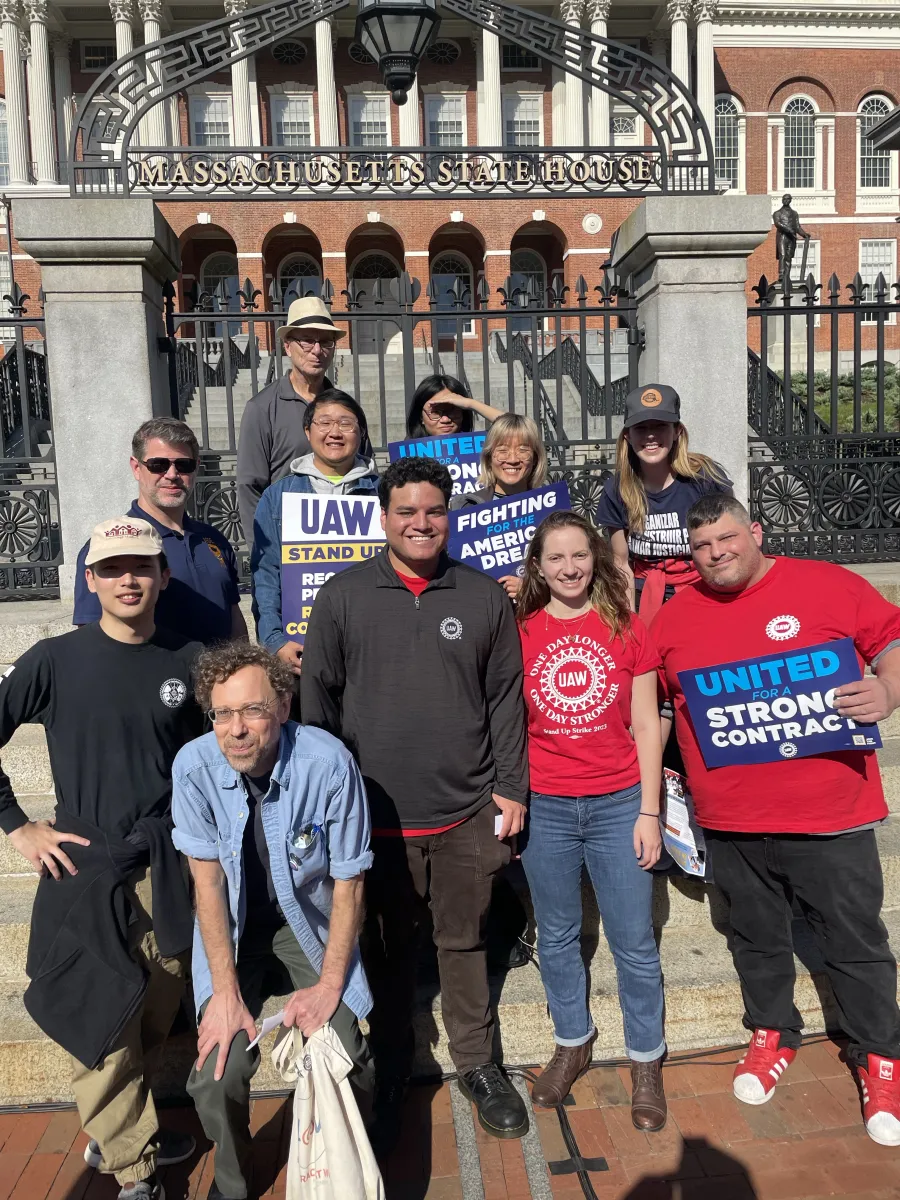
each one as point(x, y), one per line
point(262, 904)
point(116, 715)
point(665, 528)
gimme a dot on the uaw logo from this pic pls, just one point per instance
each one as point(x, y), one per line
point(574, 679)
point(173, 693)
point(787, 750)
point(451, 628)
point(783, 628)
point(651, 398)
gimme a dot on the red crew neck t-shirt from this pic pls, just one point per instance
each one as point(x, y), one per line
point(797, 603)
point(578, 695)
point(416, 585)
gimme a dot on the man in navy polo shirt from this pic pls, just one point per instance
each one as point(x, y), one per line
point(201, 601)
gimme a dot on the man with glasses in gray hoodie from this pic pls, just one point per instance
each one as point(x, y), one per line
point(336, 427)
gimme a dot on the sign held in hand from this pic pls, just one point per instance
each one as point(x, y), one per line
point(459, 452)
point(494, 537)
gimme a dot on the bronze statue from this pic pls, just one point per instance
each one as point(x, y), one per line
point(788, 227)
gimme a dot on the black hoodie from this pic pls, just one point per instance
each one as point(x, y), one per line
point(426, 691)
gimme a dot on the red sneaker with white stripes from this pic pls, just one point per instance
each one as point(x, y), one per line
point(880, 1079)
point(761, 1067)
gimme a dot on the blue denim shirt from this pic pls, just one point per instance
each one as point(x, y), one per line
point(265, 558)
point(315, 782)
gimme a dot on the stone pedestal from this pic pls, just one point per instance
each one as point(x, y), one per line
point(686, 260)
point(102, 263)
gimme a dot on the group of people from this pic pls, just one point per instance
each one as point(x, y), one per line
point(447, 724)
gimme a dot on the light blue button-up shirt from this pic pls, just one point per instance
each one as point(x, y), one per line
point(314, 783)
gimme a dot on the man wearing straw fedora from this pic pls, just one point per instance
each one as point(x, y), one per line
point(272, 431)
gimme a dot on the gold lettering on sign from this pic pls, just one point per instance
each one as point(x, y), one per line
point(644, 172)
point(375, 168)
point(179, 177)
point(501, 167)
point(625, 173)
point(481, 172)
point(256, 172)
point(352, 172)
point(603, 170)
point(286, 172)
point(240, 174)
point(312, 171)
point(445, 171)
point(331, 171)
point(416, 173)
point(395, 170)
point(521, 171)
point(218, 174)
point(153, 174)
point(579, 171)
point(201, 173)
point(554, 170)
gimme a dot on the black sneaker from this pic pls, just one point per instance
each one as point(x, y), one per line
point(501, 1110)
point(387, 1113)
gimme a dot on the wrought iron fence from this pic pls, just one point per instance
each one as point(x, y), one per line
point(824, 414)
point(566, 357)
point(30, 539)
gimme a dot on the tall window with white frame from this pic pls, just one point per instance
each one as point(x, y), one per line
point(292, 120)
point(445, 119)
point(727, 141)
point(877, 256)
point(522, 119)
point(874, 165)
point(799, 144)
point(211, 120)
point(369, 121)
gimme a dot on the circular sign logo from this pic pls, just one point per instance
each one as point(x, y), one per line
point(573, 680)
point(781, 629)
point(173, 693)
point(451, 628)
point(651, 398)
point(787, 750)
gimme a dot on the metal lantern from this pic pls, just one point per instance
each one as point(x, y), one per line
point(395, 33)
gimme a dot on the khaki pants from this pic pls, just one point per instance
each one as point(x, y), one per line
point(114, 1101)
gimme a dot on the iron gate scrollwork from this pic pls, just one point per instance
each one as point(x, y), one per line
point(566, 359)
point(824, 411)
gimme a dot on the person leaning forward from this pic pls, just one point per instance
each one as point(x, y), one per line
point(201, 601)
point(414, 660)
point(273, 818)
point(800, 828)
point(112, 918)
point(272, 431)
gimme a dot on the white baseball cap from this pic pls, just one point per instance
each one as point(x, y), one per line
point(122, 535)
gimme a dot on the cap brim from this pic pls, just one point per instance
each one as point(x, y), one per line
point(127, 546)
point(651, 415)
point(298, 329)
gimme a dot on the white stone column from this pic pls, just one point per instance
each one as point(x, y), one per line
point(598, 11)
point(678, 11)
point(241, 131)
point(704, 12)
point(325, 85)
point(410, 125)
point(570, 11)
point(60, 46)
point(122, 12)
point(16, 128)
point(491, 133)
point(40, 99)
point(153, 125)
point(558, 105)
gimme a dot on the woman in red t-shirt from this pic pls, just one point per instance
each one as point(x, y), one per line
point(595, 758)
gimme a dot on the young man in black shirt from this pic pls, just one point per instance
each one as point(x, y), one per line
point(106, 975)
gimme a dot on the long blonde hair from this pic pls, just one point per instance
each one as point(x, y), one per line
point(512, 427)
point(608, 592)
point(682, 463)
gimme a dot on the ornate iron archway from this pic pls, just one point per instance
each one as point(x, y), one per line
point(104, 158)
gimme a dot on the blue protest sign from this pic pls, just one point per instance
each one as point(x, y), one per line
point(321, 535)
point(494, 537)
point(460, 453)
point(776, 706)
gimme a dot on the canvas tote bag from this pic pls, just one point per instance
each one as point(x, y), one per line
point(330, 1156)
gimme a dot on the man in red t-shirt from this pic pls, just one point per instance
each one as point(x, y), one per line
point(802, 827)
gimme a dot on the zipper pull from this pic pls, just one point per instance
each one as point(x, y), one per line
point(416, 598)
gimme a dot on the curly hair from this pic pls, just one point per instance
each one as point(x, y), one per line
point(414, 470)
point(218, 663)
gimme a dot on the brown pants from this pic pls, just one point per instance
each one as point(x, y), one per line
point(452, 873)
point(114, 1101)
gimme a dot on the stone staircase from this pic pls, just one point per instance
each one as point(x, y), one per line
point(703, 1001)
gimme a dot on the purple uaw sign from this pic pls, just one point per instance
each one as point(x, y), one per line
point(776, 706)
point(494, 537)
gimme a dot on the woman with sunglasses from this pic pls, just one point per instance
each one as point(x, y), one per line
point(442, 406)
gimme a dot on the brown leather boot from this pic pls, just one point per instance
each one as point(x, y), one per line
point(648, 1099)
point(567, 1063)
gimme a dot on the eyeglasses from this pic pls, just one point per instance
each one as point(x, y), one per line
point(159, 466)
point(512, 452)
point(443, 409)
point(307, 343)
point(248, 712)
point(344, 424)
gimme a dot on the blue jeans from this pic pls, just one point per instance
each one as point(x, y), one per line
point(566, 833)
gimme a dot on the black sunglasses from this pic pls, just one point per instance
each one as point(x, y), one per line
point(159, 466)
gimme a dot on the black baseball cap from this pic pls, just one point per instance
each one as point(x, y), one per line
point(652, 402)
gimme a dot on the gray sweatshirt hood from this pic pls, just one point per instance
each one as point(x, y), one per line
point(305, 465)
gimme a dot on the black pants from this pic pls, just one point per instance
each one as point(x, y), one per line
point(453, 872)
point(838, 884)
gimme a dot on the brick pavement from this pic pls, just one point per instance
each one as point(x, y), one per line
point(808, 1142)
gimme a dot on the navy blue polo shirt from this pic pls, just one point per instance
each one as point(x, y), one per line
point(203, 588)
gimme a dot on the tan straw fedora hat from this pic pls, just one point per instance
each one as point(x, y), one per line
point(309, 315)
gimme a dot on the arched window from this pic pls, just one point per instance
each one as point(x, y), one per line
point(451, 275)
point(727, 135)
point(221, 270)
point(874, 165)
point(4, 146)
point(298, 276)
point(799, 144)
point(624, 127)
point(528, 272)
point(376, 266)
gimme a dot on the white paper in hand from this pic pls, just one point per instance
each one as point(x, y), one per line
point(498, 824)
point(268, 1025)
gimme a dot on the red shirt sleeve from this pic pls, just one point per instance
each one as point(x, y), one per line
point(877, 621)
point(646, 655)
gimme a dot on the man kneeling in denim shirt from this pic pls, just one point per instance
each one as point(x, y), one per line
point(273, 818)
